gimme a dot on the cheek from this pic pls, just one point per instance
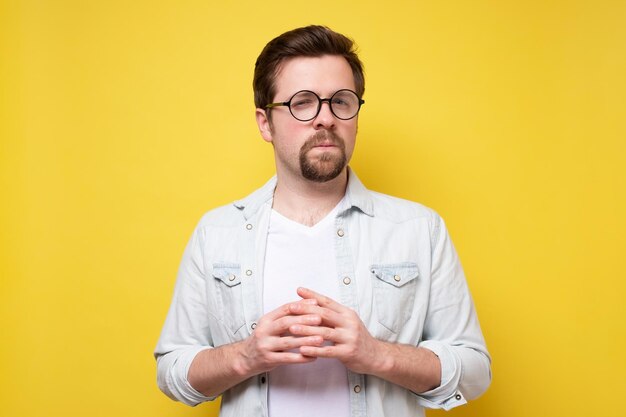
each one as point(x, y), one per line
point(289, 140)
point(349, 135)
point(289, 128)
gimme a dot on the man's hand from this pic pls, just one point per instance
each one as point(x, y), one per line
point(271, 343)
point(414, 368)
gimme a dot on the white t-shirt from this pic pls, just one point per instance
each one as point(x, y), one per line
point(302, 256)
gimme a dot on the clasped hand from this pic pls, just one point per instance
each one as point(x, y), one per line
point(296, 333)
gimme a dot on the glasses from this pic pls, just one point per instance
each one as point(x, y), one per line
point(305, 105)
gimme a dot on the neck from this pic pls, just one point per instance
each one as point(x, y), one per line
point(308, 202)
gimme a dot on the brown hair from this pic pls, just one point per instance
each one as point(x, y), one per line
point(309, 41)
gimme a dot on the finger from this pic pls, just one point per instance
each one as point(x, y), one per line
point(322, 300)
point(283, 324)
point(329, 317)
point(325, 333)
point(284, 310)
point(286, 358)
point(287, 343)
point(320, 351)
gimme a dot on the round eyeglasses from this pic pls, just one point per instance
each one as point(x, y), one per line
point(305, 105)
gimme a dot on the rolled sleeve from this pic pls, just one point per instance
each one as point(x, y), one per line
point(172, 376)
point(446, 395)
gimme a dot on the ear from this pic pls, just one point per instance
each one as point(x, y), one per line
point(265, 126)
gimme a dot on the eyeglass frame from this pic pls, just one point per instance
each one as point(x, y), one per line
point(320, 101)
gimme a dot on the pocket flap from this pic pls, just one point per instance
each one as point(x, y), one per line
point(396, 274)
point(228, 273)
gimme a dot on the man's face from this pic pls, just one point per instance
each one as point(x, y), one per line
point(319, 149)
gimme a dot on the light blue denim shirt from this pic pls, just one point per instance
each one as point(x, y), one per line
point(396, 267)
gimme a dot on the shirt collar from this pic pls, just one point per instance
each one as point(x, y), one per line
point(356, 196)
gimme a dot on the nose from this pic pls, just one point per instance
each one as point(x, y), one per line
point(325, 119)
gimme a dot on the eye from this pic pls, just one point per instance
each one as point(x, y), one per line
point(302, 102)
point(344, 99)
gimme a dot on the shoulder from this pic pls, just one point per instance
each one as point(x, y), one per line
point(237, 212)
point(386, 207)
point(224, 216)
point(399, 210)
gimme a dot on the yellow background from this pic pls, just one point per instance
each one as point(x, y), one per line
point(121, 122)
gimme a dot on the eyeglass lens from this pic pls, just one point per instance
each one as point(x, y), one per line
point(306, 105)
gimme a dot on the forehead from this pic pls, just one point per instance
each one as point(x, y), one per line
point(324, 75)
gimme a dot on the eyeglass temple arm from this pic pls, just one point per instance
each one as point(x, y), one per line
point(284, 103)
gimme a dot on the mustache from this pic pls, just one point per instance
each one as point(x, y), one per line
point(322, 137)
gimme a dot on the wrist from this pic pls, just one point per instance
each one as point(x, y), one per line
point(384, 359)
point(241, 366)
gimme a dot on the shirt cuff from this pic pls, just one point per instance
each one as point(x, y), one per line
point(447, 394)
point(178, 384)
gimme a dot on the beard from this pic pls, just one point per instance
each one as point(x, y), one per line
point(329, 164)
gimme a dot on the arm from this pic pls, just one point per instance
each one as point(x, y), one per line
point(451, 329)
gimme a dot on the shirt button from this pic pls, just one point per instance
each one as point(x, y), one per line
point(340, 232)
point(263, 379)
point(231, 277)
point(347, 280)
point(248, 272)
point(357, 388)
point(249, 226)
point(253, 326)
point(458, 396)
point(397, 278)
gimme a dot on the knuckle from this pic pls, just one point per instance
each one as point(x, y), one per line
point(284, 344)
point(351, 351)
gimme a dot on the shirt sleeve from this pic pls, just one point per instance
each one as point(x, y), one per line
point(452, 331)
point(186, 329)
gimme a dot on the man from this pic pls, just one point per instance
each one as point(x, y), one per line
point(314, 296)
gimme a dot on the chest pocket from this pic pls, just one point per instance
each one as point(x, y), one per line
point(394, 293)
point(229, 295)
